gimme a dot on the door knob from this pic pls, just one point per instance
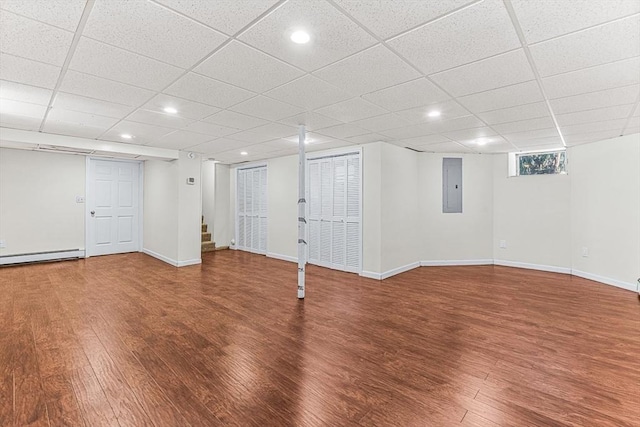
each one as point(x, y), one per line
point(93, 213)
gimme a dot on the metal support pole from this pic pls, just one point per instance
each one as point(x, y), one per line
point(302, 222)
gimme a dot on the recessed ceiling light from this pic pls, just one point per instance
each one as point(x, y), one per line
point(243, 153)
point(126, 136)
point(434, 114)
point(300, 37)
point(170, 110)
point(482, 141)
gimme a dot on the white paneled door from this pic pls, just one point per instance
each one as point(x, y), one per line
point(114, 205)
point(252, 209)
point(334, 212)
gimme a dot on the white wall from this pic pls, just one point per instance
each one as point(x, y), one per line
point(372, 208)
point(208, 192)
point(160, 220)
point(533, 214)
point(38, 209)
point(399, 214)
point(282, 206)
point(222, 224)
point(172, 210)
point(456, 236)
point(605, 210)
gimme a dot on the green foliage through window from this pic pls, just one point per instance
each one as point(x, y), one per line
point(542, 163)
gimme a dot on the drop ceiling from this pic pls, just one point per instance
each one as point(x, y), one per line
point(505, 75)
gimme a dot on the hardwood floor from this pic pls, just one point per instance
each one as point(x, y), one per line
point(128, 340)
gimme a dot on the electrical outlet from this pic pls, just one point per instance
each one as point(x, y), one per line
point(585, 251)
point(3, 244)
point(503, 244)
point(79, 199)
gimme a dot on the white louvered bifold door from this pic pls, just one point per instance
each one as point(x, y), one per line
point(252, 209)
point(334, 213)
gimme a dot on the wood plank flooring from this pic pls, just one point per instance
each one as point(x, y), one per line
point(127, 340)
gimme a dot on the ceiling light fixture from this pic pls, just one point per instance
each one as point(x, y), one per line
point(243, 153)
point(126, 136)
point(482, 141)
point(300, 37)
point(434, 114)
point(170, 110)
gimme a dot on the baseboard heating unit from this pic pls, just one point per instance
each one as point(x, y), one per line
point(41, 257)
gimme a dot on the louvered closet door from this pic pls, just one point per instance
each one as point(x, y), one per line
point(252, 209)
point(333, 195)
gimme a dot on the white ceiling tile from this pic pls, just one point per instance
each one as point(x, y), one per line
point(599, 45)
point(110, 62)
point(633, 123)
point(24, 93)
point(409, 132)
point(584, 128)
point(560, 17)
point(158, 118)
point(250, 137)
point(458, 123)
point(235, 120)
point(247, 67)
point(468, 135)
point(59, 13)
point(219, 145)
point(81, 119)
point(430, 47)
point(495, 72)
point(16, 121)
point(228, 16)
point(212, 129)
point(615, 74)
point(504, 97)
point(274, 130)
point(540, 143)
point(493, 145)
point(309, 92)
point(151, 30)
point(365, 139)
point(388, 18)
point(632, 130)
point(351, 110)
point(33, 40)
point(422, 141)
point(524, 125)
point(186, 109)
point(72, 129)
point(67, 101)
point(412, 94)
point(103, 89)
point(8, 106)
point(312, 121)
point(448, 110)
point(327, 146)
point(383, 69)
point(208, 91)
point(597, 115)
point(383, 122)
point(447, 147)
point(266, 108)
point(512, 114)
point(310, 138)
point(21, 70)
point(343, 131)
point(142, 133)
point(583, 138)
point(181, 139)
point(333, 35)
point(636, 112)
point(518, 137)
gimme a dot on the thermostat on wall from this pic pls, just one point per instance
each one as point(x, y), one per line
point(191, 181)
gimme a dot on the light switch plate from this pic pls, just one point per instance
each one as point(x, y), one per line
point(503, 244)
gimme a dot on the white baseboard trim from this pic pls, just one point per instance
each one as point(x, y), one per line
point(550, 268)
point(605, 280)
point(282, 257)
point(447, 262)
point(160, 257)
point(371, 275)
point(41, 256)
point(194, 261)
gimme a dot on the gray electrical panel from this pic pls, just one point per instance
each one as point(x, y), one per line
point(451, 185)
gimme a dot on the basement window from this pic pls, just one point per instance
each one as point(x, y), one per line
point(538, 163)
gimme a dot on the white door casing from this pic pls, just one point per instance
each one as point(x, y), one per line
point(113, 205)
